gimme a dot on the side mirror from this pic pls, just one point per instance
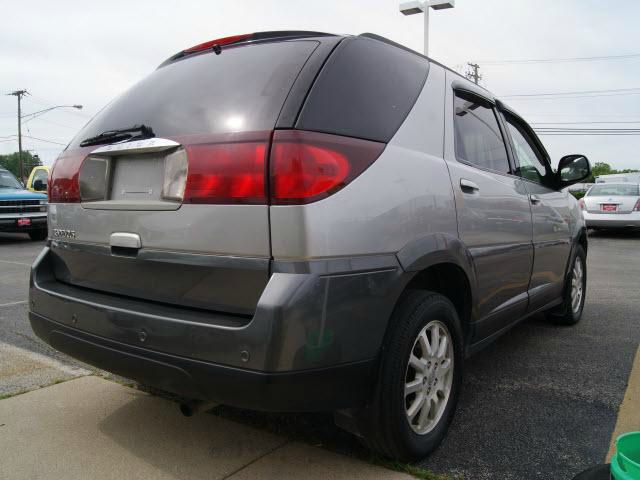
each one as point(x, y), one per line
point(39, 186)
point(573, 169)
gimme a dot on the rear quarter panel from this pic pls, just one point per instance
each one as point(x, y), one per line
point(405, 195)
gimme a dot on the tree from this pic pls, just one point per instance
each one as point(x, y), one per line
point(601, 168)
point(12, 163)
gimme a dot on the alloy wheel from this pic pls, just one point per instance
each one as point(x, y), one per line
point(577, 285)
point(429, 377)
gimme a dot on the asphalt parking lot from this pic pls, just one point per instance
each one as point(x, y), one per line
point(540, 403)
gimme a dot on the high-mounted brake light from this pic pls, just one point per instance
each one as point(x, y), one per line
point(309, 166)
point(636, 208)
point(219, 42)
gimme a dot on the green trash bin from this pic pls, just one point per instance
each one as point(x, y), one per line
point(625, 464)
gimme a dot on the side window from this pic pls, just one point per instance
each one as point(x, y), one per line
point(478, 139)
point(530, 159)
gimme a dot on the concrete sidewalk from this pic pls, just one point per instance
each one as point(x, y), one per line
point(90, 427)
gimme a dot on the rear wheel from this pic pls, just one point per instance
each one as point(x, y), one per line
point(570, 312)
point(419, 378)
point(38, 235)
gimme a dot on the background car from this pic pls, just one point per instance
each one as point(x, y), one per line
point(38, 179)
point(21, 211)
point(612, 205)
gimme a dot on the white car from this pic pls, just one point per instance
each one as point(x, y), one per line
point(612, 205)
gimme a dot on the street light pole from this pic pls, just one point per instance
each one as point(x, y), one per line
point(426, 31)
point(417, 6)
point(20, 94)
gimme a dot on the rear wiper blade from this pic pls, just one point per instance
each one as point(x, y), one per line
point(120, 134)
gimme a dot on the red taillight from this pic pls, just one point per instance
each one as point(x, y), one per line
point(63, 185)
point(636, 208)
point(219, 41)
point(582, 205)
point(309, 166)
point(226, 173)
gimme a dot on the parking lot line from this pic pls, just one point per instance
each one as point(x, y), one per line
point(10, 304)
point(629, 413)
point(15, 263)
point(43, 360)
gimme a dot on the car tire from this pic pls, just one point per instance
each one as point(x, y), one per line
point(392, 425)
point(570, 312)
point(38, 235)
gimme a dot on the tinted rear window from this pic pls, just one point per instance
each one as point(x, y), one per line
point(242, 89)
point(630, 190)
point(366, 90)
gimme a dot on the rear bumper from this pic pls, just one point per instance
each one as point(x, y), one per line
point(311, 344)
point(612, 220)
point(321, 389)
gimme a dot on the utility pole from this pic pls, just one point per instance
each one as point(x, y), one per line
point(474, 73)
point(19, 94)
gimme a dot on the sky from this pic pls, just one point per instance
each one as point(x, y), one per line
point(71, 52)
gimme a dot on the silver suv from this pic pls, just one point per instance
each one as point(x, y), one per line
point(298, 221)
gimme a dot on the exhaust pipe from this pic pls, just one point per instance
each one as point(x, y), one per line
point(193, 407)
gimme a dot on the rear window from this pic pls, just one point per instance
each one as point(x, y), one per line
point(242, 89)
point(366, 90)
point(630, 190)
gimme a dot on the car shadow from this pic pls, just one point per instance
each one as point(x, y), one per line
point(14, 238)
point(615, 233)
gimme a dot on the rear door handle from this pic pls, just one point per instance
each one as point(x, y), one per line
point(535, 200)
point(468, 186)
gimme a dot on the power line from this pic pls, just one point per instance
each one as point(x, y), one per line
point(14, 138)
point(568, 134)
point(51, 122)
point(584, 123)
point(569, 97)
point(45, 140)
point(635, 90)
point(591, 131)
point(561, 60)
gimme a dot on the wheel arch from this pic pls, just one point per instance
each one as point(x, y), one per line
point(442, 263)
